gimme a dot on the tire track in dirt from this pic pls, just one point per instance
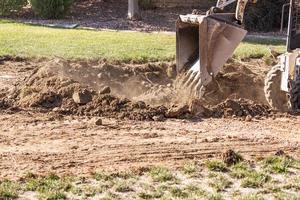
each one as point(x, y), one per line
point(137, 154)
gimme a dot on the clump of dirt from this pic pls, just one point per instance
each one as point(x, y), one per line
point(230, 157)
point(239, 108)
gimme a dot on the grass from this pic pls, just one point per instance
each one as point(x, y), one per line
point(107, 176)
point(31, 41)
point(258, 48)
point(242, 181)
point(240, 170)
point(251, 196)
point(255, 180)
point(278, 164)
point(195, 190)
point(50, 187)
point(34, 41)
point(179, 193)
point(123, 186)
point(51, 182)
point(9, 190)
point(220, 183)
point(161, 174)
point(52, 195)
point(191, 169)
point(216, 165)
point(151, 192)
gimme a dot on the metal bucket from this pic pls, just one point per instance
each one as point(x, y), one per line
point(204, 43)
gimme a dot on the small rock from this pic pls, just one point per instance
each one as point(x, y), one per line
point(105, 90)
point(56, 109)
point(82, 96)
point(248, 118)
point(98, 122)
point(159, 118)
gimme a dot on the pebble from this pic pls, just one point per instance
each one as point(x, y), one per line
point(82, 96)
point(248, 118)
point(105, 90)
point(98, 122)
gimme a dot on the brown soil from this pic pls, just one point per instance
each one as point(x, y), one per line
point(112, 14)
point(43, 129)
point(137, 92)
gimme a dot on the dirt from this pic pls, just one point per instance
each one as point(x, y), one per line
point(136, 92)
point(112, 14)
point(230, 157)
point(44, 129)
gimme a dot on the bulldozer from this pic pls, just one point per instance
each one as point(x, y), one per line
point(204, 43)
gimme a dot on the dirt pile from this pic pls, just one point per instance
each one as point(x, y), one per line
point(235, 81)
point(239, 108)
point(57, 87)
point(133, 91)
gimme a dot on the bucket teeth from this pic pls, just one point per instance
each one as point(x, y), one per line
point(190, 79)
point(184, 79)
point(195, 81)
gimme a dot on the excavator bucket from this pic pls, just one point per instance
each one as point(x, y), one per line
point(204, 44)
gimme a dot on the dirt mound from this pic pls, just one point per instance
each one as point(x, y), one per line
point(230, 157)
point(239, 108)
point(136, 91)
point(111, 106)
point(236, 80)
point(53, 87)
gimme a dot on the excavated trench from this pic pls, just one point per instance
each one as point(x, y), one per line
point(134, 91)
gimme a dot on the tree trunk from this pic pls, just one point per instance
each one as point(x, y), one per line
point(133, 10)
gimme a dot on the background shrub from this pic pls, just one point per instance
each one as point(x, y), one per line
point(9, 6)
point(265, 15)
point(51, 9)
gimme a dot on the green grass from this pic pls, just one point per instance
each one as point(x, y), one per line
point(123, 186)
point(50, 187)
point(179, 193)
point(278, 164)
point(220, 183)
point(9, 190)
point(52, 195)
point(34, 41)
point(240, 170)
point(191, 169)
point(161, 174)
point(196, 190)
point(216, 166)
point(258, 48)
point(251, 196)
point(255, 180)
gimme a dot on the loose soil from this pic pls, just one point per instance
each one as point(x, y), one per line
point(43, 128)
